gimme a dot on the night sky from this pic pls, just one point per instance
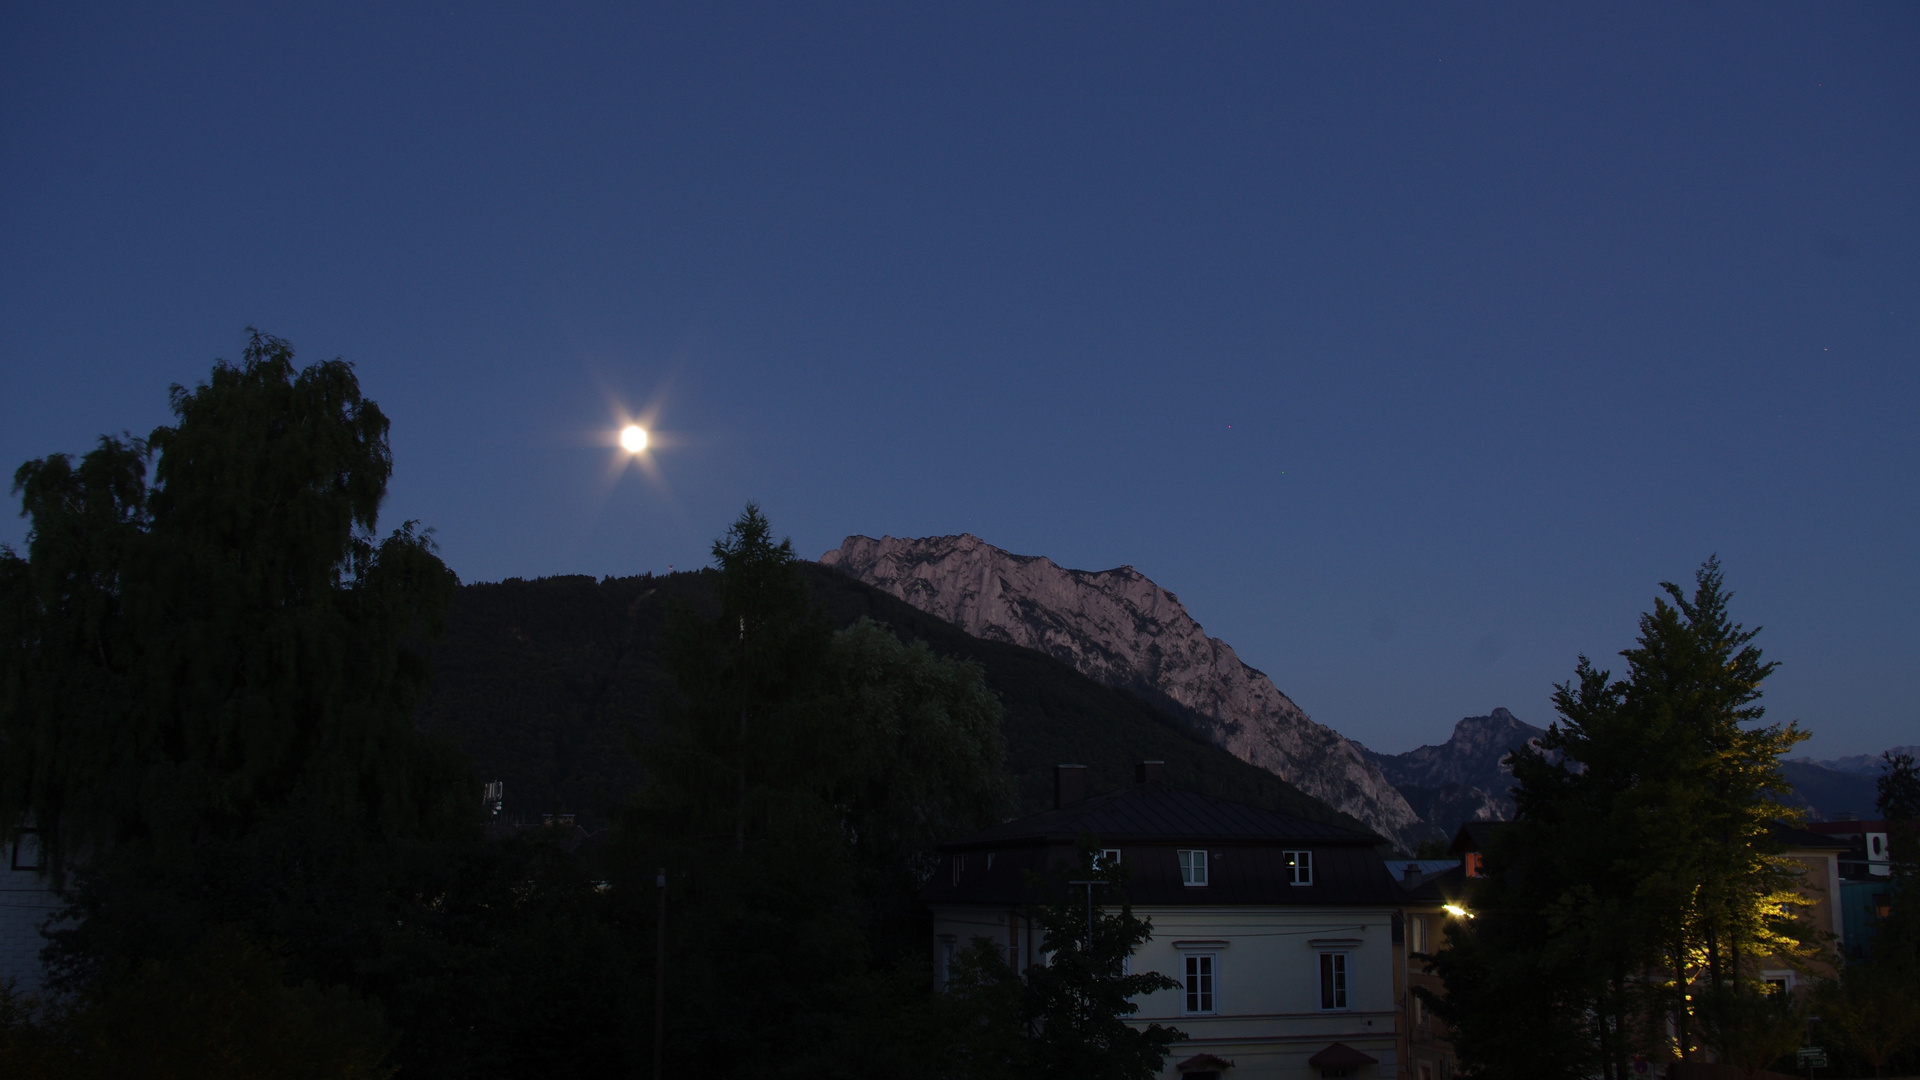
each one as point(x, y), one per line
point(1411, 348)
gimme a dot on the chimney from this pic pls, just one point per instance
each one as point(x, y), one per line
point(1410, 871)
point(1069, 786)
point(1149, 772)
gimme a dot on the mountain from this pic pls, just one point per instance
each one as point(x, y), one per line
point(1868, 765)
point(1827, 791)
point(1123, 631)
point(1461, 779)
point(543, 683)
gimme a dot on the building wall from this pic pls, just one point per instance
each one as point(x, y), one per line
point(26, 903)
point(1269, 1020)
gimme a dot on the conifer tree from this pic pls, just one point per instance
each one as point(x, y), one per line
point(1642, 845)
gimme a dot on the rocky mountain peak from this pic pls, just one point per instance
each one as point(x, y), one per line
point(1462, 779)
point(1120, 628)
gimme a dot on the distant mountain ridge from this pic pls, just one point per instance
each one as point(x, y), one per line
point(1120, 629)
point(1868, 765)
point(1463, 778)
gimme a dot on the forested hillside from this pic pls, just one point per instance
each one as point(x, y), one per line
point(544, 682)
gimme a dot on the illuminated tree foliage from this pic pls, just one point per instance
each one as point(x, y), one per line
point(1640, 870)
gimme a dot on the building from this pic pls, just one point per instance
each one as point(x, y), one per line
point(27, 902)
point(1866, 878)
point(1433, 893)
point(1283, 933)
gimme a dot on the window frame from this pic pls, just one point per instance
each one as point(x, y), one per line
point(1299, 866)
point(1193, 867)
point(948, 947)
point(1101, 860)
point(36, 857)
point(1210, 996)
point(1335, 971)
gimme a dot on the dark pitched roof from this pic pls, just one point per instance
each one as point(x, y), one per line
point(1438, 888)
point(1237, 874)
point(1801, 838)
point(1846, 828)
point(1158, 812)
point(1474, 836)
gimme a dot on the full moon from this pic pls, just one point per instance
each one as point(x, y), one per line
point(633, 438)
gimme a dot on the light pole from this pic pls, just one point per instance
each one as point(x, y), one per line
point(660, 974)
point(1089, 885)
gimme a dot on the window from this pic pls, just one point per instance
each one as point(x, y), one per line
point(1333, 980)
point(1107, 857)
point(1417, 934)
point(26, 850)
point(959, 867)
point(1476, 864)
point(1193, 867)
point(1299, 867)
point(1200, 984)
point(1778, 982)
point(944, 961)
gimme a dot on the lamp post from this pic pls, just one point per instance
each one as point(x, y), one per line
point(660, 974)
point(1089, 885)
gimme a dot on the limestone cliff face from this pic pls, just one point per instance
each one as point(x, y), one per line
point(1119, 628)
point(1462, 779)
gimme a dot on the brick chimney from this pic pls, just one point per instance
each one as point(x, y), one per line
point(1069, 786)
point(1149, 772)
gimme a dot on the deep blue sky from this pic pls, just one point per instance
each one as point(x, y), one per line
point(1411, 348)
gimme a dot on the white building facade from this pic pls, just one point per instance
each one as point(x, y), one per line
point(1280, 931)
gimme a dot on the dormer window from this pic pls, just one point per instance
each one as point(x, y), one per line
point(1193, 867)
point(1299, 867)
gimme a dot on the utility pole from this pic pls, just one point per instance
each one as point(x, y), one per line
point(660, 975)
point(1089, 885)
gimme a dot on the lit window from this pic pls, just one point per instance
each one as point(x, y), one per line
point(1333, 980)
point(1476, 864)
point(1193, 867)
point(1200, 983)
point(1299, 867)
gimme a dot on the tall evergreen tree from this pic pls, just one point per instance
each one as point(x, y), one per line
point(1642, 845)
point(793, 793)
